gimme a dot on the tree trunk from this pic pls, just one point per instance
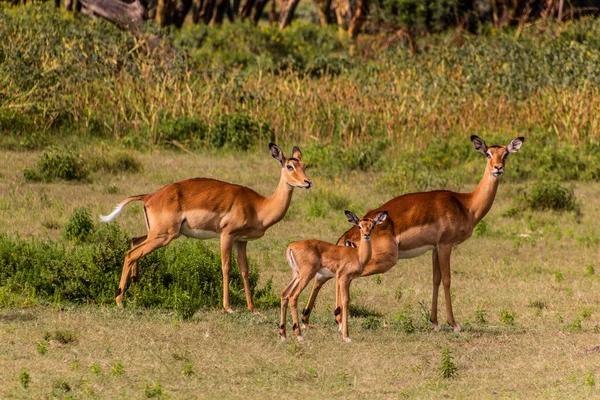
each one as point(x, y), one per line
point(343, 12)
point(259, 6)
point(324, 11)
point(286, 13)
point(181, 10)
point(165, 12)
point(359, 17)
point(246, 8)
point(125, 15)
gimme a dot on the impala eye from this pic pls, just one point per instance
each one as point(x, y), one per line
point(360, 227)
point(290, 168)
point(488, 155)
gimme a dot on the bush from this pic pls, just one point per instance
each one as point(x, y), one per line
point(58, 164)
point(550, 195)
point(80, 225)
point(189, 131)
point(240, 132)
point(116, 162)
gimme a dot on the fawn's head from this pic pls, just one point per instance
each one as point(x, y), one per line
point(293, 169)
point(496, 154)
point(366, 225)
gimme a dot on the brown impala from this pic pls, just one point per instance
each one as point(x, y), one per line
point(204, 208)
point(426, 221)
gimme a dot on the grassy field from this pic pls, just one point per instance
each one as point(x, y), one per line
point(525, 290)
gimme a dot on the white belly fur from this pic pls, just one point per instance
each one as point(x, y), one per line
point(326, 273)
point(414, 252)
point(197, 233)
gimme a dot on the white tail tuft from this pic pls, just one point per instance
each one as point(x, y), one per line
point(112, 215)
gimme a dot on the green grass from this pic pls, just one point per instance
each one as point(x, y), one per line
point(142, 351)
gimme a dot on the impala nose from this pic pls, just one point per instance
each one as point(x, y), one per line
point(308, 184)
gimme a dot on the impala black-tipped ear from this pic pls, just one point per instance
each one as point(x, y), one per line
point(381, 217)
point(515, 144)
point(296, 153)
point(351, 217)
point(479, 144)
point(277, 153)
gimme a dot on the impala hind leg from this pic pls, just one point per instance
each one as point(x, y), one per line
point(284, 303)
point(226, 248)
point(295, 292)
point(134, 266)
point(437, 279)
point(344, 284)
point(319, 282)
point(242, 259)
point(444, 259)
point(133, 255)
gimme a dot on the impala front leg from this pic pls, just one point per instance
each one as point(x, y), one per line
point(345, 298)
point(444, 259)
point(437, 279)
point(240, 250)
point(337, 313)
point(226, 248)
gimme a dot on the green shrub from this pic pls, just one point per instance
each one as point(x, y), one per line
point(550, 195)
point(116, 162)
point(240, 132)
point(371, 323)
point(507, 317)
point(58, 164)
point(189, 131)
point(80, 225)
point(405, 321)
point(25, 378)
point(447, 368)
point(64, 336)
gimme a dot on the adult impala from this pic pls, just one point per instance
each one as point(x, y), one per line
point(310, 258)
point(204, 208)
point(437, 221)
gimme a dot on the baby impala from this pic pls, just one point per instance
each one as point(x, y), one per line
point(310, 258)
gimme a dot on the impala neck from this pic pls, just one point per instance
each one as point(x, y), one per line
point(274, 208)
point(482, 198)
point(364, 251)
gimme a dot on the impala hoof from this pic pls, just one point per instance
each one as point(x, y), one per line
point(339, 327)
point(283, 338)
point(436, 327)
point(300, 338)
point(229, 310)
point(457, 328)
point(347, 340)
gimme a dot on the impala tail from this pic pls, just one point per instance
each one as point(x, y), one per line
point(119, 208)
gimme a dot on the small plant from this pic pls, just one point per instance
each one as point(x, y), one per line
point(447, 368)
point(558, 276)
point(41, 347)
point(80, 225)
point(60, 385)
point(480, 315)
point(405, 321)
point(371, 323)
point(539, 304)
point(64, 337)
point(589, 270)
point(188, 370)
point(574, 326)
point(95, 368)
point(153, 390)
point(589, 379)
point(482, 229)
point(25, 378)
point(118, 369)
point(398, 292)
point(378, 279)
point(507, 317)
point(586, 312)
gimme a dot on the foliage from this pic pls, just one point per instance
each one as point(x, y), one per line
point(240, 131)
point(184, 276)
point(58, 164)
point(447, 368)
point(25, 378)
point(80, 225)
point(550, 195)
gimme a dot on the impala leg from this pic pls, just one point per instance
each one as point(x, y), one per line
point(240, 250)
point(338, 304)
point(295, 292)
point(226, 248)
point(319, 282)
point(284, 303)
point(134, 266)
point(437, 279)
point(345, 299)
point(444, 258)
point(131, 257)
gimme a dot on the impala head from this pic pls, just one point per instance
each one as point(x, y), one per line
point(293, 169)
point(366, 225)
point(496, 154)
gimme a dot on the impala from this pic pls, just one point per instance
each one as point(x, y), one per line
point(437, 221)
point(204, 208)
point(310, 258)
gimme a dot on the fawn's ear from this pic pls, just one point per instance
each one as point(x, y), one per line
point(351, 217)
point(276, 153)
point(382, 216)
point(479, 144)
point(296, 153)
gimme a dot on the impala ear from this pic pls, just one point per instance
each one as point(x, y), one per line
point(382, 216)
point(296, 153)
point(479, 144)
point(277, 153)
point(515, 145)
point(351, 217)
